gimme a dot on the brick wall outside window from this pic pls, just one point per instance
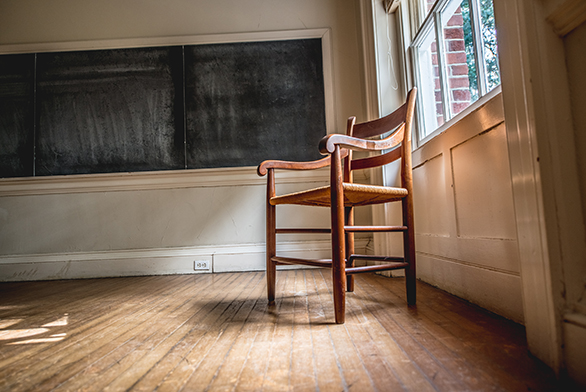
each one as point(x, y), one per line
point(457, 68)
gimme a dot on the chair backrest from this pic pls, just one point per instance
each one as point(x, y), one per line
point(398, 125)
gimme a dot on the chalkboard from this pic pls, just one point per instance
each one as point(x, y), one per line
point(16, 115)
point(247, 102)
point(161, 108)
point(110, 110)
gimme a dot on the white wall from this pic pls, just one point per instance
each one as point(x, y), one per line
point(143, 223)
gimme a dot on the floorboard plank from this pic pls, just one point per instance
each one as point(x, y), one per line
point(354, 374)
point(279, 360)
point(207, 373)
point(81, 342)
point(302, 362)
point(207, 301)
point(257, 359)
point(124, 351)
point(61, 301)
point(381, 372)
point(466, 346)
point(219, 309)
point(217, 332)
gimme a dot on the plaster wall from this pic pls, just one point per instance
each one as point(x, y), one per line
point(43, 231)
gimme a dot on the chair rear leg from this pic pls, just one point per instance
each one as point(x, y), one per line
point(349, 248)
point(410, 275)
point(271, 243)
point(409, 250)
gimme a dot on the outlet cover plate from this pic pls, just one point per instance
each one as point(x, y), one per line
point(201, 265)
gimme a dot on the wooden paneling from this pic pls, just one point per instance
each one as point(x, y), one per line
point(431, 198)
point(217, 332)
point(483, 191)
point(464, 213)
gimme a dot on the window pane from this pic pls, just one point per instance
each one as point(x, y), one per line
point(489, 44)
point(430, 86)
point(459, 56)
point(425, 6)
point(459, 65)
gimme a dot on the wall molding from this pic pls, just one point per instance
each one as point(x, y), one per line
point(203, 39)
point(156, 261)
point(167, 179)
point(112, 182)
point(567, 16)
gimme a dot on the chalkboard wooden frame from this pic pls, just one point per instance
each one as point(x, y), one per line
point(323, 34)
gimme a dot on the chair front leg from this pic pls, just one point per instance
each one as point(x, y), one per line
point(271, 243)
point(338, 245)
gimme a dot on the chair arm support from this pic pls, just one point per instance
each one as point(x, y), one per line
point(328, 143)
point(291, 165)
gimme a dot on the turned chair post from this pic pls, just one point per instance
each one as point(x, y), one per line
point(349, 248)
point(271, 246)
point(349, 211)
point(338, 237)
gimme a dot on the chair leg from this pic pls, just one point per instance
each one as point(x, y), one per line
point(339, 279)
point(409, 249)
point(349, 248)
point(338, 234)
point(410, 276)
point(271, 243)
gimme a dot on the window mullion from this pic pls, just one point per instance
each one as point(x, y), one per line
point(419, 108)
point(478, 46)
point(441, 60)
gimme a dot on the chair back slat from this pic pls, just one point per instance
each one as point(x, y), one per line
point(377, 160)
point(382, 125)
point(398, 122)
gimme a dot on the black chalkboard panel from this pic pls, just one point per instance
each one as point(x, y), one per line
point(16, 115)
point(177, 107)
point(110, 111)
point(247, 102)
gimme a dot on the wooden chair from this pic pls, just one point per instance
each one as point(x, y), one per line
point(342, 195)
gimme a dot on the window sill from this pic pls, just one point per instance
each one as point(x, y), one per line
point(466, 112)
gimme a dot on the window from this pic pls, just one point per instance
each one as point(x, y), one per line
point(455, 59)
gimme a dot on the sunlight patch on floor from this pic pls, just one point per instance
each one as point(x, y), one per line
point(11, 334)
point(21, 333)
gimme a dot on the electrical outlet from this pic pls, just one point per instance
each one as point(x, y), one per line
point(200, 265)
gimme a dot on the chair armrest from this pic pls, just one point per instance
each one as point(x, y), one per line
point(291, 165)
point(328, 143)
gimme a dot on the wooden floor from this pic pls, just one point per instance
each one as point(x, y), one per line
point(216, 332)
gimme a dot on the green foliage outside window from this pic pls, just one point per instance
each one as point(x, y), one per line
point(489, 43)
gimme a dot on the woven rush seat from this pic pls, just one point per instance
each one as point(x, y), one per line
point(354, 195)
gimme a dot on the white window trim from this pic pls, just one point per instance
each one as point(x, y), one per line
point(432, 21)
point(473, 106)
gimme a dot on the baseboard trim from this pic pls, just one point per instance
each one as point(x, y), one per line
point(144, 262)
point(574, 328)
point(495, 290)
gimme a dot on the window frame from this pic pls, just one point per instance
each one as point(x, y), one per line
point(432, 24)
